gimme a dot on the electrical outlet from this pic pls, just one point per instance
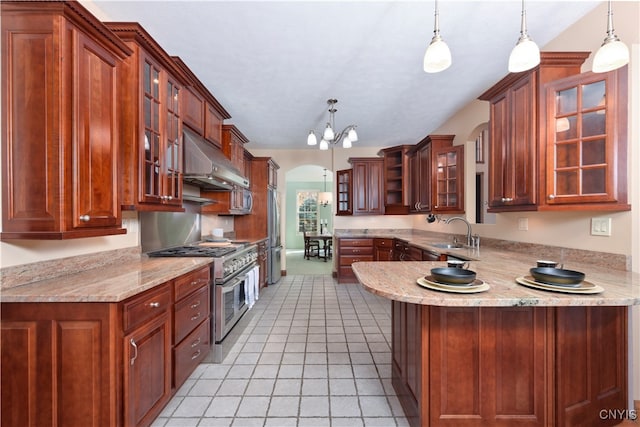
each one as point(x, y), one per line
point(523, 224)
point(601, 226)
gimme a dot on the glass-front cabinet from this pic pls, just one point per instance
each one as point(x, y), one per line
point(344, 192)
point(448, 181)
point(586, 139)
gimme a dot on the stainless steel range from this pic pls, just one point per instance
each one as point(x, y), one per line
point(167, 234)
point(230, 270)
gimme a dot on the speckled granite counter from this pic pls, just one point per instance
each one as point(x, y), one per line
point(110, 283)
point(397, 281)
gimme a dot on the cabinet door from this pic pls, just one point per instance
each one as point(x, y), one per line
point(368, 187)
point(213, 126)
point(147, 371)
point(586, 139)
point(383, 249)
point(172, 173)
point(499, 151)
point(344, 191)
point(193, 114)
point(150, 179)
point(448, 179)
point(420, 180)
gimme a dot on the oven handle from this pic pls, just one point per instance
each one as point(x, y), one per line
point(237, 277)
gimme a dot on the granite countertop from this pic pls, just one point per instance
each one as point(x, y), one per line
point(499, 270)
point(111, 283)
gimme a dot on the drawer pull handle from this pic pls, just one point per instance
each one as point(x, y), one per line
point(135, 348)
point(196, 343)
point(195, 355)
point(195, 304)
point(196, 316)
point(154, 304)
point(85, 218)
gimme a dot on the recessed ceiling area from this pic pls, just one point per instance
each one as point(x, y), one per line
point(274, 64)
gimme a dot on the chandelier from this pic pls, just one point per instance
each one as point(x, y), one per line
point(329, 136)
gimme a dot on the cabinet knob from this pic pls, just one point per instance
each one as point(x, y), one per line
point(552, 196)
point(154, 304)
point(507, 199)
point(85, 218)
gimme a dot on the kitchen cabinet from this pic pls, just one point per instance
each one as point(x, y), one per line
point(60, 141)
point(151, 89)
point(238, 201)
point(191, 323)
point(448, 180)
point(201, 110)
point(396, 179)
point(516, 130)
point(352, 250)
point(383, 249)
point(344, 184)
point(419, 159)
point(263, 177)
point(368, 186)
point(586, 142)
point(87, 363)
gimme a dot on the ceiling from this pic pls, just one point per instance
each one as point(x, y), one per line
point(274, 64)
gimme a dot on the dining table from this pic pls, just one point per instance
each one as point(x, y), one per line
point(325, 251)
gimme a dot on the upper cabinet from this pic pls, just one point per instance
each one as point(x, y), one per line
point(586, 141)
point(151, 123)
point(368, 185)
point(238, 201)
point(60, 141)
point(344, 187)
point(396, 179)
point(516, 130)
point(420, 177)
point(202, 111)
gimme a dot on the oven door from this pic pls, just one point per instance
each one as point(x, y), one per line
point(230, 305)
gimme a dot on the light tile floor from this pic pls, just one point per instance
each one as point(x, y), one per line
point(314, 353)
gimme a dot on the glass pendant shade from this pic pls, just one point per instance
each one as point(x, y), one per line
point(611, 55)
point(311, 139)
point(437, 57)
point(346, 142)
point(352, 135)
point(328, 133)
point(524, 56)
point(324, 145)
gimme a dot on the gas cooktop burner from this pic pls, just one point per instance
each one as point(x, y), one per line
point(193, 251)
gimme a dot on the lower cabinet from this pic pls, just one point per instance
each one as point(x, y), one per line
point(509, 366)
point(102, 364)
point(262, 262)
point(383, 249)
point(352, 250)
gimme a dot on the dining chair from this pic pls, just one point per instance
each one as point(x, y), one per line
point(311, 246)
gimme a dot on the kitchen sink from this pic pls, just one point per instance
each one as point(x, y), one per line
point(447, 245)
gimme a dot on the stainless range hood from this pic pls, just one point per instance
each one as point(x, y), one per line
point(207, 167)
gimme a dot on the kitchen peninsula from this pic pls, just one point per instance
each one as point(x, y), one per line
point(509, 356)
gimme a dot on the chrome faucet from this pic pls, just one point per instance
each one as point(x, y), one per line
point(459, 218)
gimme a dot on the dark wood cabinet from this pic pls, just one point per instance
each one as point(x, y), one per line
point(263, 176)
point(420, 177)
point(586, 142)
point(448, 179)
point(509, 366)
point(396, 179)
point(368, 186)
point(239, 200)
point(151, 88)
point(516, 130)
point(352, 250)
point(191, 323)
point(344, 184)
point(262, 262)
point(383, 249)
point(60, 141)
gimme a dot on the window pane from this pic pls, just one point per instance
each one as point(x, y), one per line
point(593, 152)
point(593, 95)
point(566, 101)
point(593, 124)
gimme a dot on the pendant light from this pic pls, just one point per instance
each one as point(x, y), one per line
point(326, 197)
point(613, 53)
point(329, 137)
point(526, 54)
point(438, 56)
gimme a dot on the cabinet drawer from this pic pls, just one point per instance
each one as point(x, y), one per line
point(356, 251)
point(387, 243)
point(190, 352)
point(146, 306)
point(190, 312)
point(348, 260)
point(191, 282)
point(356, 242)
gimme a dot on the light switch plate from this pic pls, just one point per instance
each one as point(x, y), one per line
point(523, 224)
point(601, 226)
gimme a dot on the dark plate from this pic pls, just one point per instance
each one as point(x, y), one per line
point(557, 276)
point(453, 275)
